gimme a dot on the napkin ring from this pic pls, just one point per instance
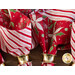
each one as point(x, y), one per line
point(67, 58)
point(2, 64)
point(48, 58)
point(23, 59)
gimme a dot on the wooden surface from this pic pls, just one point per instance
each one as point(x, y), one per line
point(36, 58)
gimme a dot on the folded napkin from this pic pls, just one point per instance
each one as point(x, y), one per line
point(53, 28)
point(16, 33)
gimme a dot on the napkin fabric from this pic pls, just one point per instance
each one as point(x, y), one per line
point(53, 28)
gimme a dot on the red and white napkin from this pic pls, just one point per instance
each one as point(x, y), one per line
point(73, 41)
point(53, 28)
point(16, 36)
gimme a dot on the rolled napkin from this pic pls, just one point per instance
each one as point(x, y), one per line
point(53, 28)
point(16, 33)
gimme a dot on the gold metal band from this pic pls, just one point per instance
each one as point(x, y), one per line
point(2, 64)
point(48, 58)
point(67, 58)
point(23, 59)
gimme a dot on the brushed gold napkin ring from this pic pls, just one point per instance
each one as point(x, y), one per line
point(2, 64)
point(67, 58)
point(48, 58)
point(23, 59)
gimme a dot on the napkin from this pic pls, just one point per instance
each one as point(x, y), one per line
point(73, 41)
point(16, 34)
point(53, 28)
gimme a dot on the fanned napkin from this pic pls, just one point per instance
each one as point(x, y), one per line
point(16, 36)
point(53, 28)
